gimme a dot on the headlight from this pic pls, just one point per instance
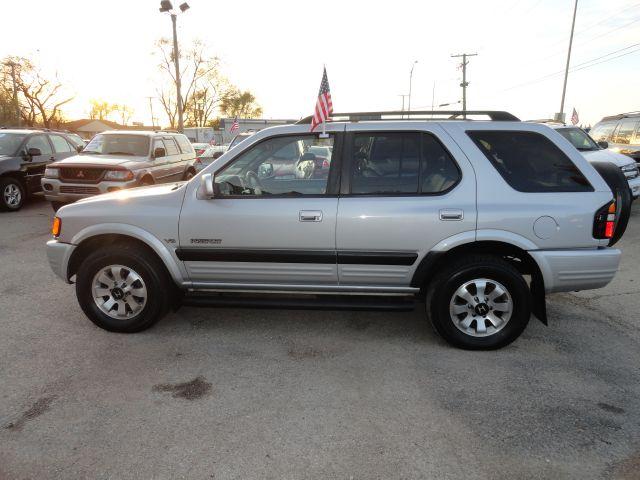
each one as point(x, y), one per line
point(630, 171)
point(118, 175)
point(52, 172)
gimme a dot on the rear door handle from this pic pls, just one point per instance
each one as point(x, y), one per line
point(310, 216)
point(451, 214)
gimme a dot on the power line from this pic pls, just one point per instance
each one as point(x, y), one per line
point(573, 69)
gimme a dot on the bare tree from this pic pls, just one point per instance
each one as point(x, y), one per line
point(40, 97)
point(124, 111)
point(203, 87)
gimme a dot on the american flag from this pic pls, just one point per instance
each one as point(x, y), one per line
point(324, 105)
point(574, 117)
point(235, 126)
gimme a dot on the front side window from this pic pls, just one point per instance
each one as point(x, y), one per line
point(278, 166)
point(400, 163)
point(601, 132)
point(118, 144)
point(579, 139)
point(529, 161)
point(40, 142)
point(10, 142)
point(171, 147)
point(60, 144)
point(184, 143)
point(625, 131)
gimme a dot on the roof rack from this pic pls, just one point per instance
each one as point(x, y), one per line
point(494, 115)
point(621, 115)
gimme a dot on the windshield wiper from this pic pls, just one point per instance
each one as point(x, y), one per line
point(119, 153)
point(93, 152)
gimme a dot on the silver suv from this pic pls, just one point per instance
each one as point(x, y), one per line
point(479, 219)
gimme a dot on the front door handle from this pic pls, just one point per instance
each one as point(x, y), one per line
point(310, 216)
point(451, 214)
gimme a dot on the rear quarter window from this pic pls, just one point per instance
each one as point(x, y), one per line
point(529, 161)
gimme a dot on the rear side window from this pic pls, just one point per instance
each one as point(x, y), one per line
point(184, 143)
point(625, 131)
point(60, 144)
point(400, 163)
point(170, 145)
point(530, 162)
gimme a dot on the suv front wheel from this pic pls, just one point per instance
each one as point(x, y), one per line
point(123, 288)
point(479, 302)
point(12, 194)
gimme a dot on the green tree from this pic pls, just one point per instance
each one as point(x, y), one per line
point(100, 110)
point(240, 104)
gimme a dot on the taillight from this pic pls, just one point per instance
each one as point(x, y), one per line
point(604, 223)
point(325, 163)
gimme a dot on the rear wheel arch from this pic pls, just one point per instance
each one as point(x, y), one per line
point(147, 179)
point(435, 261)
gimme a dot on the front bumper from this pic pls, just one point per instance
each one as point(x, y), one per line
point(65, 192)
point(634, 185)
point(59, 255)
point(572, 270)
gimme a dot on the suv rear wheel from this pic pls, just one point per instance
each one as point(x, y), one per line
point(12, 194)
point(123, 289)
point(479, 302)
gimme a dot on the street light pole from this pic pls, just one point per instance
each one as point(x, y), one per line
point(166, 6)
point(176, 61)
point(410, 82)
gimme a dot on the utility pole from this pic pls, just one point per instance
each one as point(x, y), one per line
point(413, 65)
point(16, 105)
point(151, 109)
point(560, 114)
point(402, 101)
point(464, 83)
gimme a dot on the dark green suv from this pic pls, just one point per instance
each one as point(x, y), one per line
point(24, 154)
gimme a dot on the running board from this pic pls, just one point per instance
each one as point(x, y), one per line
point(322, 302)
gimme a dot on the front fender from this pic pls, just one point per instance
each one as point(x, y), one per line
point(168, 257)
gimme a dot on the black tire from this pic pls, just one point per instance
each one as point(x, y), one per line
point(147, 266)
point(57, 205)
point(7, 204)
point(444, 285)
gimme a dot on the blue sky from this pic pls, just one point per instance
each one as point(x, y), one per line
point(277, 49)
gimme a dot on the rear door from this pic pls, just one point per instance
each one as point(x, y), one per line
point(402, 192)
point(61, 147)
point(174, 159)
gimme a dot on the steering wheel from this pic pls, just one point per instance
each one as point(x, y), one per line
point(253, 181)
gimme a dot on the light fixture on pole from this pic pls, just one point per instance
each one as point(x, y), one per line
point(410, 81)
point(166, 6)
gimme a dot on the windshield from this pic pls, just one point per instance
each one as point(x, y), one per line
point(579, 139)
point(118, 144)
point(10, 142)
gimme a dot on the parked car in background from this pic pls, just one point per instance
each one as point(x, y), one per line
point(475, 219)
point(24, 155)
point(200, 148)
point(240, 137)
point(619, 133)
point(593, 152)
point(209, 155)
point(116, 160)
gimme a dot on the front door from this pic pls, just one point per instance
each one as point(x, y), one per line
point(402, 193)
point(34, 166)
point(272, 221)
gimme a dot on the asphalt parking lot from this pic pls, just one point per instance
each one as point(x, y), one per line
point(240, 394)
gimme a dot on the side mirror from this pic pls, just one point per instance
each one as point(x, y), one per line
point(603, 144)
point(33, 152)
point(79, 148)
point(265, 170)
point(159, 152)
point(207, 185)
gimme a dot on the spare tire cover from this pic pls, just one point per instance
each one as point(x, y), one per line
point(619, 186)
